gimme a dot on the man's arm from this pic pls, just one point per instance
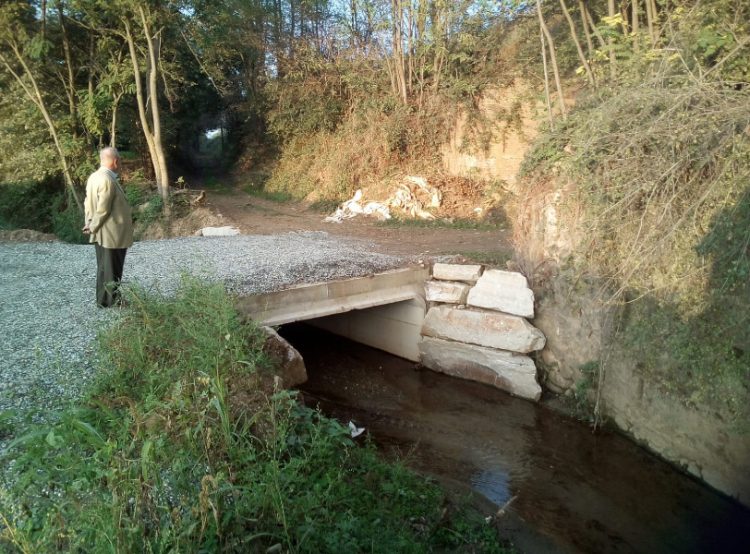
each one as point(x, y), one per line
point(88, 206)
point(105, 195)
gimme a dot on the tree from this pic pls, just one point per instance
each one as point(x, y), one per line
point(22, 56)
point(143, 21)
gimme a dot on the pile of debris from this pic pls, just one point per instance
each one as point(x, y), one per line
point(412, 197)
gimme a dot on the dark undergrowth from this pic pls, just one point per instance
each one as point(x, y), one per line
point(186, 445)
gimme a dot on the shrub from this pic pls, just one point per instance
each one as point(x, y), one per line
point(27, 205)
point(67, 220)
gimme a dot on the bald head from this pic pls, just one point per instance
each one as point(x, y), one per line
point(110, 157)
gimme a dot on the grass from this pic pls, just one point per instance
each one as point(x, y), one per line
point(324, 206)
point(273, 196)
point(216, 185)
point(185, 445)
point(457, 223)
point(491, 259)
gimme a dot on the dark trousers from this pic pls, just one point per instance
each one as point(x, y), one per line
point(109, 264)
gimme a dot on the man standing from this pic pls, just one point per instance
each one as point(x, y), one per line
point(109, 224)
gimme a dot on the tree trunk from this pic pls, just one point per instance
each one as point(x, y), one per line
point(113, 129)
point(651, 21)
point(610, 43)
point(553, 58)
point(586, 32)
point(70, 87)
point(292, 25)
point(141, 103)
point(546, 80)
point(599, 37)
point(154, 46)
point(398, 51)
point(44, 19)
point(635, 24)
point(574, 35)
point(353, 14)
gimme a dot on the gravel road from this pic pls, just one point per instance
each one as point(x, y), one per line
point(49, 319)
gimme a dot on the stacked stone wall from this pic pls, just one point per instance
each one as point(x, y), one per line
point(476, 328)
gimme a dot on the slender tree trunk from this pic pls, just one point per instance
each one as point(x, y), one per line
point(546, 79)
point(597, 34)
point(439, 32)
point(610, 42)
point(574, 35)
point(113, 128)
point(553, 58)
point(410, 49)
point(44, 19)
point(154, 47)
point(292, 25)
point(35, 95)
point(635, 24)
point(586, 32)
point(71, 85)
point(398, 50)
point(651, 21)
point(655, 11)
point(148, 135)
point(353, 14)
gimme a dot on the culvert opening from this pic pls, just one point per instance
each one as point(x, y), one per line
point(394, 328)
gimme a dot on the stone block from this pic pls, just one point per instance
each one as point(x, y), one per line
point(450, 292)
point(504, 291)
point(287, 361)
point(226, 231)
point(513, 373)
point(457, 272)
point(483, 328)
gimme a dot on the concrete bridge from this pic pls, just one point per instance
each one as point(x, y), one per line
point(384, 310)
point(458, 319)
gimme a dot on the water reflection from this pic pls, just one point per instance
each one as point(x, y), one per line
point(578, 491)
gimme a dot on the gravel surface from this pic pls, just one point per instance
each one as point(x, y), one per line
point(49, 319)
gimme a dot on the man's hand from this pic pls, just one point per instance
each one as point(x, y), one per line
point(86, 230)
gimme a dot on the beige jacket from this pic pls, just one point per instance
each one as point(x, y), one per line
point(107, 211)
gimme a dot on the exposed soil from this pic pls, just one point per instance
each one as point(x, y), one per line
point(254, 215)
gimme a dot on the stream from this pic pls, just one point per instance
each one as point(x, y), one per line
point(570, 490)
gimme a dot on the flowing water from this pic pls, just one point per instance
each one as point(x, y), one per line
point(570, 490)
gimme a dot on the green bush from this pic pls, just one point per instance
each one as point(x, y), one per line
point(185, 445)
point(67, 220)
point(27, 205)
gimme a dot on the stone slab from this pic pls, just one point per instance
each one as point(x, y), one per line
point(483, 328)
point(504, 291)
point(287, 361)
point(457, 272)
point(449, 292)
point(226, 231)
point(513, 373)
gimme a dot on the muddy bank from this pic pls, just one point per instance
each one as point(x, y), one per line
point(574, 491)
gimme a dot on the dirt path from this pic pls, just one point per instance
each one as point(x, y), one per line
point(259, 216)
